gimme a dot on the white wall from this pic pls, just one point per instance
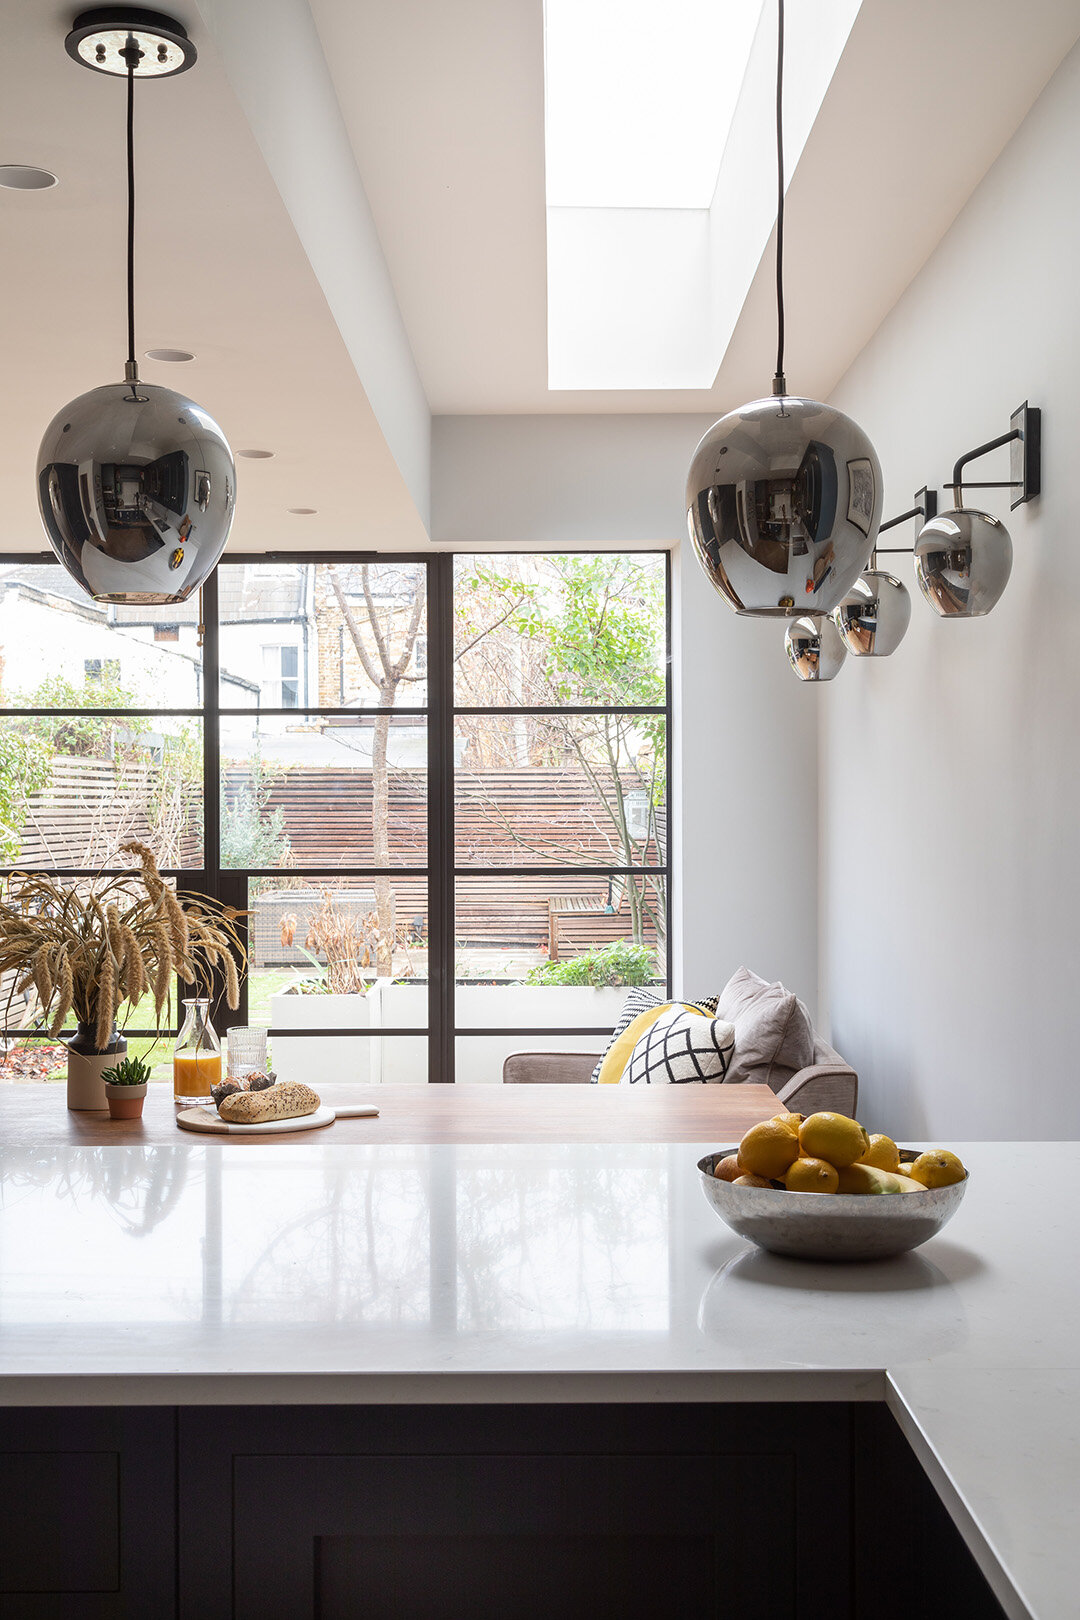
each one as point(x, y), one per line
point(744, 774)
point(950, 881)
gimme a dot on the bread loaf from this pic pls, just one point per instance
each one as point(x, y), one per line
point(289, 1100)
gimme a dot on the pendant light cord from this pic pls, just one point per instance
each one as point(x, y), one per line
point(131, 210)
point(780, 381)
point(131, 54)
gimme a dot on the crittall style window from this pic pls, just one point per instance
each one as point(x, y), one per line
point(437, 786)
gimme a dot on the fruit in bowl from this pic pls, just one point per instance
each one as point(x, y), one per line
point(824, 1188)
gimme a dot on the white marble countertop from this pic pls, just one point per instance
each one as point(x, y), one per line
point(313, 1273)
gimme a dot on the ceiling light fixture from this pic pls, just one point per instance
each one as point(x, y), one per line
point(172, 357)
point(24, 177)
point(784, 494)
point(963, 557)
point(256, 455)
point(304, 511)
point(815, 647)
point(136, 484)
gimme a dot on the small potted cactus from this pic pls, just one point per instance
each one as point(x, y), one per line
point(125, 1088)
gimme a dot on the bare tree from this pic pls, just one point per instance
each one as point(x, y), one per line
point(385, 655)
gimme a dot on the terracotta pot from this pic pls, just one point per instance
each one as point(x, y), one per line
point(85, 1087)
point(125, 1102)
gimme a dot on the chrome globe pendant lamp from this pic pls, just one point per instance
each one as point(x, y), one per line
point(815, 647)
point(874, 615)
point(784, 494)
point(136, 484)
point(963, 557)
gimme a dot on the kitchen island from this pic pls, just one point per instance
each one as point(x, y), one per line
point(441, 1342)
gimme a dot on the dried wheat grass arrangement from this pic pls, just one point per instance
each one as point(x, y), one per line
point(92, 947)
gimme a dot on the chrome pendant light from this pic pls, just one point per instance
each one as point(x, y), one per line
point(874, 616)
point(784, 494)
point(815, 647)
point(963, 558)
point(136, 484)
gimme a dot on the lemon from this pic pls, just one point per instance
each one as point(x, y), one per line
point(727, 1169)
point(867, 1178)
point(792, 1121)
point(751, 1181)
point(811, 1175)
point(938, 1168)
point(767, 1149)
point(882, 1152)
point(834, 1138)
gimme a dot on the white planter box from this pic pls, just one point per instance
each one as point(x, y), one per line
point(331, 1058)
point(399, 1060)
point(479, 1058)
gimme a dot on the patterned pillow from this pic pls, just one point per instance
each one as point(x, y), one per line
point(681, 1048)
point(639, 1001)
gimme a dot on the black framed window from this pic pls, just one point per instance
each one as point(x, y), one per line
point(437, 785)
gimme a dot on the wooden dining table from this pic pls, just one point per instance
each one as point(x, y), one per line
point(33, 1115)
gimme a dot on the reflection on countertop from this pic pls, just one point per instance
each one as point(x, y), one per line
point(539, 1261)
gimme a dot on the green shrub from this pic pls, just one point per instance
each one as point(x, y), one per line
point(616, 964)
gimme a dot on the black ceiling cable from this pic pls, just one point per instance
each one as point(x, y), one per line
point(780, 381)
point(131, 54)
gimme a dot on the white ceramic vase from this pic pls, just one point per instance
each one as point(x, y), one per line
point(85, 1066)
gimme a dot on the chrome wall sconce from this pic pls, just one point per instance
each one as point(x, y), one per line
point(963, 557)
point(136, 484)
point(783, 497)
point(815, 647)
point(874, 616)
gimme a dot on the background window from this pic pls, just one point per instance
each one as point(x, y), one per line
point(487, 874)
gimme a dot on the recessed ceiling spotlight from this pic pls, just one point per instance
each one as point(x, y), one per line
point(172, 356)
point(303, 511)
point(23, 177)
point(256, 455)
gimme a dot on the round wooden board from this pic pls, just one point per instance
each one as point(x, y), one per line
point(210, 1121)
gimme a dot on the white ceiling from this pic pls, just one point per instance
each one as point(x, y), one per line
point(445, 103)
point(443, 108)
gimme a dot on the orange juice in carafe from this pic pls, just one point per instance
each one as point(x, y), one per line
point(194, 1073)
point(197, 1057)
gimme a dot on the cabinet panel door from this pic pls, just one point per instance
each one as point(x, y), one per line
point(615, 1538)
point(87, 1514)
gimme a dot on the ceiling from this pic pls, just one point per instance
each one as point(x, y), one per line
point(439, 108)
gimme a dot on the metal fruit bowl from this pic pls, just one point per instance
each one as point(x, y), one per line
point(831, 1226)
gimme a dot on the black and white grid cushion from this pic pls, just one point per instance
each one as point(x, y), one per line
point(638, 1001)
point(681, 1048)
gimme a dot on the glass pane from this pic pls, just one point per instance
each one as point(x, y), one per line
point(369, 1060)
point(351, 938)
point(323, 635)
point(559, 630)
point(74, 788)
point(330, 790)
point(479, 1059)
point(60, 650)
point(560, 932)
point(575, 790)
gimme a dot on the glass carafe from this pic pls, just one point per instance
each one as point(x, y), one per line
point(197, 1055)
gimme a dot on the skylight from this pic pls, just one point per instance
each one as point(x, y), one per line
point(640, 98)
point(661, 189)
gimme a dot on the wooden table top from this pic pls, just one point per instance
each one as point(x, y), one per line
point(37, 1115)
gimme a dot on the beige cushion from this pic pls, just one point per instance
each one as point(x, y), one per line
point(774, 1037)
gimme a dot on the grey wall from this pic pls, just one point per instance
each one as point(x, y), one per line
point(950, 881)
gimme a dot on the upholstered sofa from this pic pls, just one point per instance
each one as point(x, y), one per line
point(828, 1082)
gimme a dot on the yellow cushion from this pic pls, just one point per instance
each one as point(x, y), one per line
point(618, 1054)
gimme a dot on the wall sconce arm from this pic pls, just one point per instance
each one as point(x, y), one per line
point(926, 506)
point(1025, 436)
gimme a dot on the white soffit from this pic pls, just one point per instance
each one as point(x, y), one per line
point(661, 194)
